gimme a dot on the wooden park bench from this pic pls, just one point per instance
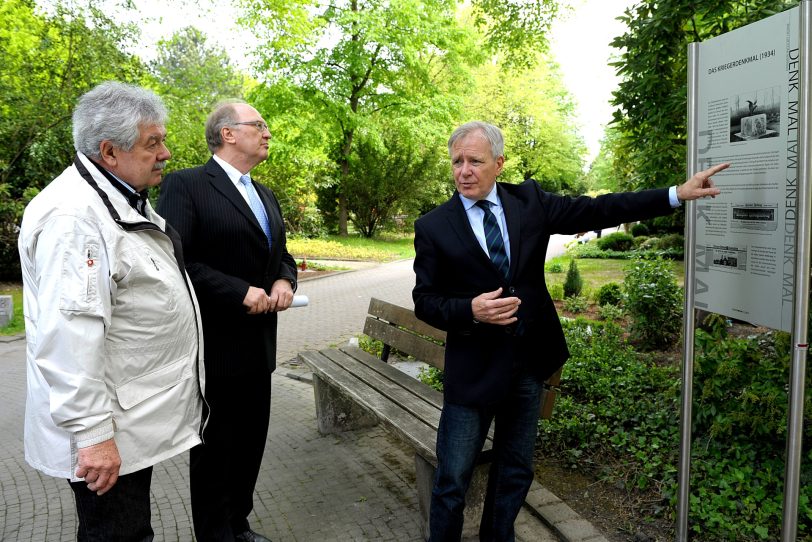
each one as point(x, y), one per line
point(354, 389)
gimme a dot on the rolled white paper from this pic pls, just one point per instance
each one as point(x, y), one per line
point(300, 301)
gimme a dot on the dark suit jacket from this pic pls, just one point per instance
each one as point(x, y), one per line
point(226, 251)
point(451, 269)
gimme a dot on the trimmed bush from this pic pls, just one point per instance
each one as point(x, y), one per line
point(672, 241)
point(616, 241)
point(639, 230)
point(609, 294)
point(573, 283)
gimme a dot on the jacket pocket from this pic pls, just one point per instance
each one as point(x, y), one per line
point(141, 388)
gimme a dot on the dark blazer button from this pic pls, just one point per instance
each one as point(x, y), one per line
point(511, 290)
point(508, 331)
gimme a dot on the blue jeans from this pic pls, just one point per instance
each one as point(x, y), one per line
point(122, 514)
point(460, 438)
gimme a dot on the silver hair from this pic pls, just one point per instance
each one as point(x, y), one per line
point(491, 133)
point(114, 112)
point(224, 114)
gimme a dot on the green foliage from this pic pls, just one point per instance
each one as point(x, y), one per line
point(349, 62)
point(48, 61)
point(651, 96)
point(514, 31)
point(740, 412)
point(609, 294)
point(556, 291)
point(654, 301)
point(553, 267)
point(639, 230)
point(672, 242)
point(192, 77)
point(617, 416)
point(537, 116)
point(646, 250)
point(618, 241)
point(370, 345)
point(610, 312)
point(431, 376)
point(575, 304)
point(390, 172)
point(573, 283)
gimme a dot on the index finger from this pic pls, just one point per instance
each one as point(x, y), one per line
point(713, 170)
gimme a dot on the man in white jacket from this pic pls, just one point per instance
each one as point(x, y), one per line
point(114, 343)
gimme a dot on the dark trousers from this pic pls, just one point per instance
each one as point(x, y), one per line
point(120, 515)
point(224, 469)
point(460, 437)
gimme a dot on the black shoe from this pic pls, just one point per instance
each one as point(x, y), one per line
point(250, 536)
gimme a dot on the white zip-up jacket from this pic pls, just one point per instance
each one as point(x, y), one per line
point(114, 338)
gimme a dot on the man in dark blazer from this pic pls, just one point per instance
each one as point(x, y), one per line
point(480, 277)
point(235, 251)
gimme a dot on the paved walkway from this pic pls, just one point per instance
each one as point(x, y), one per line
point(354, 486)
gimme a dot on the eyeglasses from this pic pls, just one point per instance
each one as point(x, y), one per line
point(259, 125)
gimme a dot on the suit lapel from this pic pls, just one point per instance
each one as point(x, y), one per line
point(458, 220)
point(513, 220)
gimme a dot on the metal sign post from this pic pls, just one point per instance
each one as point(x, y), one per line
point(688, 315)
point(797, 375)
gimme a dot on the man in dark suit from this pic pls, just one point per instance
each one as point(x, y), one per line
point(234, 245)
point(479, 269)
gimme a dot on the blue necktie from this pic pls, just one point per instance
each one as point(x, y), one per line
point(493, 239)
point(256, 206)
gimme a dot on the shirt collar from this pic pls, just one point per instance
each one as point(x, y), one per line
point(232, 172)
point(492, 196)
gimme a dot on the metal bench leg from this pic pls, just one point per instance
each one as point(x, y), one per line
point(335, 412)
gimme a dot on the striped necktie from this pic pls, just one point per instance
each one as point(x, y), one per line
point(493, 239)
point(256, 206)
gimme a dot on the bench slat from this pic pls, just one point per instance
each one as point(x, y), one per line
point(401, 316)
point(412, 384)
point(419, 347)
point(425, 392)
point(405, 425)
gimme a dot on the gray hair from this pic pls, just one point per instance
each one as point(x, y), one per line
point(224, 114)
point(491, 133)
point(114, 112)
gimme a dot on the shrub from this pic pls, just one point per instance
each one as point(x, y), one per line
point(672, 241)
point(639, 230)
point(616, 241)
point(573, 283)
point(609, 294)
point(553, 267)
point(654, 302)
point(575, 303)
point(556, 291)
point(610, 312)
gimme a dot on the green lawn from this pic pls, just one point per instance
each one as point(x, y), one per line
point(17, 325)
point(597, 272)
